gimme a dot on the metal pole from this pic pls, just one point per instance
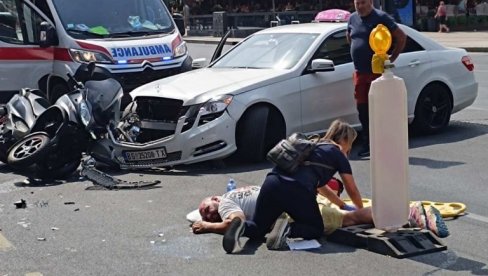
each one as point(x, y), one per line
point(274, 10)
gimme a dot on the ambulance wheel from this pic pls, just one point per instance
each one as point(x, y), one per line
point(433, 109)
point(58, 90)
point(258, 130)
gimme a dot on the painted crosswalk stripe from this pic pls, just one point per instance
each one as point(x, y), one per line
point(4, 243)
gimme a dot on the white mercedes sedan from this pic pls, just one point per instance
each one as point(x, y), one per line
point(293, 78)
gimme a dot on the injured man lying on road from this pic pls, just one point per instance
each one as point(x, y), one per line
point(216, 212)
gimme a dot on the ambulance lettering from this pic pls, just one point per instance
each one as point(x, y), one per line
point(140, 51)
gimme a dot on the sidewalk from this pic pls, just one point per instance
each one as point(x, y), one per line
point(475, 41)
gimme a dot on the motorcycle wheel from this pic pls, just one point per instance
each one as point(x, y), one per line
point(28, 150)
point(57, 170)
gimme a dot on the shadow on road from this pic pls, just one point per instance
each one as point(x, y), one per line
point(451, 262)
point(456, 132)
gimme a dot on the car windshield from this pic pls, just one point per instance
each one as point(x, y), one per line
point(264, 51)
point(113, 18)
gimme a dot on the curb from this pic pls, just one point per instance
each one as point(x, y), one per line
point(475, 49)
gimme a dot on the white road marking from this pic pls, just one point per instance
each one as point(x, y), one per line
point(478, 217)
point(4, 243)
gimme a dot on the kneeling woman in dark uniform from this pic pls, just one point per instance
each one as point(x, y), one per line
point(296, 194)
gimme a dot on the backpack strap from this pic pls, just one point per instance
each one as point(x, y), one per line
point(308, 163)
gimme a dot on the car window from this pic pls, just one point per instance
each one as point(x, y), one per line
point(42, 5)
point(19, 24)
point(279, 51)
point(336, 48)
point(410, 46)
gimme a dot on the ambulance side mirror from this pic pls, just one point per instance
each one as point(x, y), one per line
point(47, 35)
point(180, 24)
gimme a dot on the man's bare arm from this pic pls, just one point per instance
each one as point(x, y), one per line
point(201, 227)
point(400, 39)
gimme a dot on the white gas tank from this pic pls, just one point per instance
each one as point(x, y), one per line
point(389, 151)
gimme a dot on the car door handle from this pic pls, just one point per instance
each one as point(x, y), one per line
point(414, 63)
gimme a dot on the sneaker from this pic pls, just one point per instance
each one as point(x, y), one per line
point(416, 217)
point(435, 222)
point(232, 235)
point(277, 238)
point(364, 151)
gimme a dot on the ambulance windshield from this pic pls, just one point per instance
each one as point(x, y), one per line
point(114, 18)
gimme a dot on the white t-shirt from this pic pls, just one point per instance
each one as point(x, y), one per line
point(239, 200)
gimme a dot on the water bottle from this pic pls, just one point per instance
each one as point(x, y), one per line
point(231, 185)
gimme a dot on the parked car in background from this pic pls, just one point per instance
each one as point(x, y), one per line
point(287, 79)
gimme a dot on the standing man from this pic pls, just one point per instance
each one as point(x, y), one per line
point(359, 27)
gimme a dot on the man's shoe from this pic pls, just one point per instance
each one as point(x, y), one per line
point(277, 238)
point(364, 151)
point(232, 235)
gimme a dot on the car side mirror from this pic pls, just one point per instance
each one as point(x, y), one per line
point(198, 63)
point(322, 65)
point(180, 24)
point(47, 35)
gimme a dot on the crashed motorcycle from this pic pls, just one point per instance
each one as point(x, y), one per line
point(53, 137)
point(76, 123)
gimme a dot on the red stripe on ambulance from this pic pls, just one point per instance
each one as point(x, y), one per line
point(34, 53)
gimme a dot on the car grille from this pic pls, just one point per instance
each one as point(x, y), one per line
point(157, 109)
point(129, 81)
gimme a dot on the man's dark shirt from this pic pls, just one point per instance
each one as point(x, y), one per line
point(359, 29)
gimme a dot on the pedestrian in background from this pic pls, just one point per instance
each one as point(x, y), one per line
point(441, 15)
point(186, 16)
point(359, 27)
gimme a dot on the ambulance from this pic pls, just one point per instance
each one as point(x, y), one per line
point(138, 41)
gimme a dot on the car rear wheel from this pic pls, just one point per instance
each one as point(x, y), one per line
point(433, 109)
point(28, 150)
point(259, 129)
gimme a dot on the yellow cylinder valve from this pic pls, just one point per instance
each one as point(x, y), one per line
point(380, 43)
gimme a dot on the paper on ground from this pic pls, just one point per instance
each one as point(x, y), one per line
point(302, 244)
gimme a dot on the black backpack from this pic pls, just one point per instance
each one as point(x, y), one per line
point(292, 152)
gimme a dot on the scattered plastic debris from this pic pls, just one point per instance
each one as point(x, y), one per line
point(152, 242)
point(161, 234)
point(76, 210)
point(54, 228)
point(41, 239)
point(21, 204)
point(69, 203)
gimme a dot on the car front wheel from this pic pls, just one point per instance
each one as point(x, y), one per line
point(259, 129)
point(433, 109)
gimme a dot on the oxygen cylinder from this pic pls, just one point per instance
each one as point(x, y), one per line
point(389, 149)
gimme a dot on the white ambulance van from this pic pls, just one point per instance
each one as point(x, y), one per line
point(138, 41)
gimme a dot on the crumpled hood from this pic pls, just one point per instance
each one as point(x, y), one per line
point(200, 85)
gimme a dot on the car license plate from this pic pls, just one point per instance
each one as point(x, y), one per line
point(146, 154)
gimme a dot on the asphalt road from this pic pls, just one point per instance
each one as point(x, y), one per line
point(70, 229)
